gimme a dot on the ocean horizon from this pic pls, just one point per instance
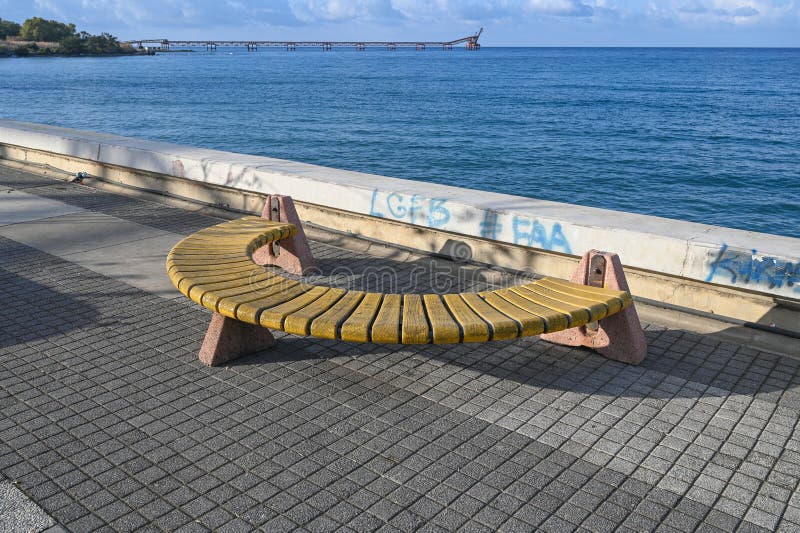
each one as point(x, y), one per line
point(692, 133)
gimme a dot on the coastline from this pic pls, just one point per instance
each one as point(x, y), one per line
point(8, 52)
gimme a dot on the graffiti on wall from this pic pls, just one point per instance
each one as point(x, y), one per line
point(534, 233)
point(741, 268)
point(414, 208)
point(435, 213)
point(527, 232)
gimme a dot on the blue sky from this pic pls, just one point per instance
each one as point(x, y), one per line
point(506, 22)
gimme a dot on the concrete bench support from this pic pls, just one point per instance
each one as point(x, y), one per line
point(228, 339)
point(619, 336)
point(292, 254)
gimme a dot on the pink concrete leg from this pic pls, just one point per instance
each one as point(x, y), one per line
point(295, 255)
point(228, 339)
point(620, 336)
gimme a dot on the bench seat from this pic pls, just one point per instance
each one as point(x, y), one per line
point(214, 268)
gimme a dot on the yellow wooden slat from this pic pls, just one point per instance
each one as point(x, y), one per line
point(217, 269)
point(474, 328)
point(272, 234)
point(445, 329)
point(548, 307)
point(211, 299)
point(173, 262)
point(327, 324)
point(502, 326)
point(200, 267)
point(187, 282)
point(531, 324)
point(247, 221)
point(357, 326)
point(212, 271)
point(415, 329)
point(180, 258)
point(217, 242)
point(597, 308)
point(175, 278)
point(552, 320)
point(275, 234)
point(299, 322)
point(222, 239)
point(600, 291)
point(386, 328)
point(249, 312)
point(228, 306)
point(186, 251)
point(197, 292)
point(273, 317)
point(216, 249)
point(223, 275)
point(623, 298)
point(230, 235)
point(231, 238)
point(244, 222)
point(235, 231)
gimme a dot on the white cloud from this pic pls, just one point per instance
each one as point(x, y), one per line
point(422, 10)
point(737, 12)
point(560, 7)
point(49, 6)
point(613, 20)
point(341, 10)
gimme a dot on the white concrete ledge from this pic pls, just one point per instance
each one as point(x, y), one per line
point(760, 262)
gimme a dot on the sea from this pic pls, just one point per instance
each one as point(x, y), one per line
point(707, 135)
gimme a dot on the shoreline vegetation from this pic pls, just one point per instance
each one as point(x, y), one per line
point(39, 37)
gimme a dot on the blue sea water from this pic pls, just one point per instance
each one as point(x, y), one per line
point(708, 135)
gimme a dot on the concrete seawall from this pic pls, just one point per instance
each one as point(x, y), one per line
point(740, 274)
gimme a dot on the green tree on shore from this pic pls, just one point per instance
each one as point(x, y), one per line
point(69, 42)
point(9, 29)
point(39, 29)
point(84, 43)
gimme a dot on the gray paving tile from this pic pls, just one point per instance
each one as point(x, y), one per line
point(18, 513)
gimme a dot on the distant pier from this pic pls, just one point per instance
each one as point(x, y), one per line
point(470, 43)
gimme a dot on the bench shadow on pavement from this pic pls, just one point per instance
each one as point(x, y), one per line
point(31, 311)
point(680, 364)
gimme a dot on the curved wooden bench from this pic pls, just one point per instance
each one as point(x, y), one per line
point(214, 267)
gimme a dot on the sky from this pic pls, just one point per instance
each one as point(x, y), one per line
point(505, 22)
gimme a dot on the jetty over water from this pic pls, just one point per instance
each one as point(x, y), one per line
point(470, 42)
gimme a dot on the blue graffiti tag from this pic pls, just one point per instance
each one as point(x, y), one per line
point(490, 228)
point(410, 208)
point(399, 210)
point(745, 268)
point(533, 233)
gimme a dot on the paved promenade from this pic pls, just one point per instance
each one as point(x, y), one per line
point(109, 422)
